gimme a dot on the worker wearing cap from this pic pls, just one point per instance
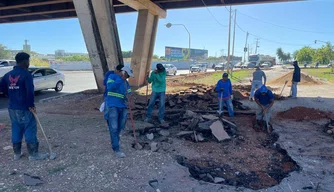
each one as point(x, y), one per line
point(224, 89)
point(265, 99)
point(295, 80)
point(18, 85)
point(118, 89)
point(258, 74)
point(158, 80)
point(105, 80)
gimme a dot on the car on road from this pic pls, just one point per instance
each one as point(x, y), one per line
point(47, 78)
point(238, 65)
point(6, 63)
point(250, 65)
point(220, 66)
point(170, 69)
point(198, 68)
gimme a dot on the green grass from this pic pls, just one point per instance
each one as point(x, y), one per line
point(322, 73)
point(214, 77)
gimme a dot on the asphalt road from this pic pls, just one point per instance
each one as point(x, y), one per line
point(75, 81)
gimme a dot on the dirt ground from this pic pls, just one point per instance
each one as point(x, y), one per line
point(85, 161)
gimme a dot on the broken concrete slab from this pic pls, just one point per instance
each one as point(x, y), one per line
point(210, 117)
point(140, 125)
point(189, 114)
point(200, 137)
point(184, 133)
point(218, 180)
point(164, 133)
point(150, 136)
point(7, 148)
point(205, 126)
point(154, 146)
point(31, 180)
point(171, 103)
point(218, 131)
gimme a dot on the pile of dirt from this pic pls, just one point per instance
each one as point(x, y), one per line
point(304, 80)
point(303, 113)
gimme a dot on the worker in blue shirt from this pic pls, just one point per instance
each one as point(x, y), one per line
point(295, 80)
point(265, 100)
point(225, 96)
point(18, 85)
point(118, 90)
point(118, 68)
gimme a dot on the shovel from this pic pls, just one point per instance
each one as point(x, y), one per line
point(52, 155)
point(280, 95)
point(220, 105)
point(137, 145)
point(268, 128)
point(154, 184)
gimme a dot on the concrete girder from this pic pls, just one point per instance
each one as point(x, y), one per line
point(153, 8)
point(98, 24)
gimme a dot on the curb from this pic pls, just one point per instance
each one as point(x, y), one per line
point(58, 97)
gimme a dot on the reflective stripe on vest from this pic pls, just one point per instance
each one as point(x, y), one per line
point(110, 81)
point(113, 94)
point(129, 90)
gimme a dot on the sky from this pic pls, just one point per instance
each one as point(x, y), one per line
point(290, 26)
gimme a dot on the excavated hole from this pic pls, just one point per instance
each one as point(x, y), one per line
point(237, 171)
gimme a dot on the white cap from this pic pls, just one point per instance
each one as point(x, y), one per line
point(128, 70)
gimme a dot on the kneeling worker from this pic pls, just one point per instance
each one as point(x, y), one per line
point(265, 99)
point(224, 89)
point(118, 89)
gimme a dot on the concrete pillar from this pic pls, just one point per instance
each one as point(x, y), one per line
point(98, 24)
point(143, 47)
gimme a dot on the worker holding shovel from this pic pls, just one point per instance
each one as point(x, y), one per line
point(118, 89)
point(224, 89)
point(18, 85)
point(105, 80)
point(265, 100)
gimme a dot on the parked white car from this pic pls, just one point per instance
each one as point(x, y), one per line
point(6, 63)
point(47, 78)
point(170, 69)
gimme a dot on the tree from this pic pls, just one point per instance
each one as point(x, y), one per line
point(155, 56)
point(305, 54)
point(4, 52)
point(282, 56)
point(294, 54)
point(127, 54)
point(324, 54)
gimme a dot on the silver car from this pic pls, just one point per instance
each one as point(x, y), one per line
point(170, 69)
point(47, 78)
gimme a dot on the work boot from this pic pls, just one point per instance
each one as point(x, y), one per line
point(17, 151)
point(33, 152)
point(119, 154)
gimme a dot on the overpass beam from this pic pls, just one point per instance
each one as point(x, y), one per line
point(143, 48)
point(99, 28)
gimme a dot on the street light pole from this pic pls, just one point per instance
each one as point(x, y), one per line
point(169, 25)
point(229, 42)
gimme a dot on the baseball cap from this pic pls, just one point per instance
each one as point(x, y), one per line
point(225, 75)
point(160, 67)
point(263, 89)
point(128, 70)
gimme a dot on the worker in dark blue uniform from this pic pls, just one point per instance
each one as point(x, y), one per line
point(18, 85)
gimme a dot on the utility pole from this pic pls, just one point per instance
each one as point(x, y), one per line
point(235, 19)
point(245, 48)
point(257, 41)
point(229, 42)
point(248, 51)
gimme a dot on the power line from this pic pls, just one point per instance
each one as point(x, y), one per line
point(212, 14)
point(281, 26)
point(269, 40)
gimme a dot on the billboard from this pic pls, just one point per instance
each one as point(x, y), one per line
point(183, 53)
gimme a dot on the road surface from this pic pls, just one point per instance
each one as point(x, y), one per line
point(75, 81)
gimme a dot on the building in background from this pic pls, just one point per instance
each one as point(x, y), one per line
point(178, 53)
point(26, 47)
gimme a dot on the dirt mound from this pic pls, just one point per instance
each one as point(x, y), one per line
point(303, 113)
point(304, 80)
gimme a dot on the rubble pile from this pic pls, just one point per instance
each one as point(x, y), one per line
point(303, 113)
point(195, 98)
